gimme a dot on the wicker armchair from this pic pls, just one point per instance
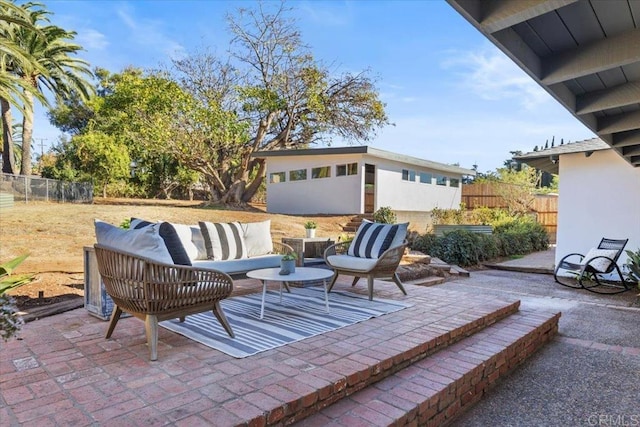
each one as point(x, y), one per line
point(153, 292)
point(383, 268)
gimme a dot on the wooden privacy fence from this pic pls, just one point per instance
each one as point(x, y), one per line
point(486, 195)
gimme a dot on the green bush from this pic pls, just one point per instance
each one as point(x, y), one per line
point(385, 215)
point(461, 247)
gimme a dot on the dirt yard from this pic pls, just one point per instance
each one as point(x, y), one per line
point(55, 233)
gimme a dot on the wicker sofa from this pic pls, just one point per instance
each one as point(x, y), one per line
point(155, 272)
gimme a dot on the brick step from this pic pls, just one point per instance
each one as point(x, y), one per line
point(354, 223)
point(436, 389)
point(393, 343)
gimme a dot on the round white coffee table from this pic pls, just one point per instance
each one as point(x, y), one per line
point(302, 274)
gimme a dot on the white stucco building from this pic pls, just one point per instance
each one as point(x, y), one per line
point(356, 180)
point(599, 195)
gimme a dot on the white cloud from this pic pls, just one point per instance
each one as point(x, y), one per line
point(92, 39)
point(148, 33)
point(491, 75)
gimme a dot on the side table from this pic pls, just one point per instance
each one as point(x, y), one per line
point(308, 247)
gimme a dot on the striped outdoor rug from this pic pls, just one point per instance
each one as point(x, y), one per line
point(301, 315)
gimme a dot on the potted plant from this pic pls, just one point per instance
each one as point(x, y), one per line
point(310, 227)
point(288, 263)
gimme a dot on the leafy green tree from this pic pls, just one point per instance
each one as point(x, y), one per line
point(139, 110)
point(55, 69)
point(518, 188)
point(92, 156)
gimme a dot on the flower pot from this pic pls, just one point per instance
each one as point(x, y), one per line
point(311, 232)
point(287, 266)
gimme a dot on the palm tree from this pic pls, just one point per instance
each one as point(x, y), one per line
point(11, 87)
point(55, 69)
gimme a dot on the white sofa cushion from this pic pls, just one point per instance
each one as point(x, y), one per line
point(372, 239)
point(145, 242)
point(257, 237)
point(224, 241)
point(600, 264)
point(351, 262)
point(244, 265)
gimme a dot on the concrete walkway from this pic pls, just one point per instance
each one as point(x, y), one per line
point(588, 376)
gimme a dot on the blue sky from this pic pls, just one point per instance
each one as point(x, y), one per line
point(452, 95)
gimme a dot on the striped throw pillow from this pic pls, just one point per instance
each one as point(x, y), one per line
point(223, 240)
point(372, 239)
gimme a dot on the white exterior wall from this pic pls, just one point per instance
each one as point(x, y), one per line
point(344, 194)
point(401, 195)
point(599, 197)
point(334, 195)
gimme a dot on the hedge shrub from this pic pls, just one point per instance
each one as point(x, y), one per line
point(464, 248)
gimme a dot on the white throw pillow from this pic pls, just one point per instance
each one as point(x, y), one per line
point(145, 242)
point(257, 237)
point(198, 241)
point(600, 264)
point(223, 240)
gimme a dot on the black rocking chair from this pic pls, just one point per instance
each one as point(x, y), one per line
point(591, 271)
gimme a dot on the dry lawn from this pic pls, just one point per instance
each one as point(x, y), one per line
point(55, 233)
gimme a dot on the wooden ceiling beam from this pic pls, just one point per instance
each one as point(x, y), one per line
point(617, 96)
point(631, 151)
point(625, 139)
point(500, 14)
point(601, 55)
point(619, 122)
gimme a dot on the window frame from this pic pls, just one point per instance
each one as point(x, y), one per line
point(282, 174)
point(291, 177)
point(315, 176)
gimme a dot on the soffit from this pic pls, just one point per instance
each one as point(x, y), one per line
point(585, 53)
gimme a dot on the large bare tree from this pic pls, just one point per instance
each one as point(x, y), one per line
point(279, 96)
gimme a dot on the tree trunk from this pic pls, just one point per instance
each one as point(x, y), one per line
point(8, 159)
point(253, 188)
point(27, 134)
point(234, 194)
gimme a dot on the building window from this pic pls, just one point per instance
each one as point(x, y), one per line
point(441, 180)
point(408, 175)
point(321, 172)
point(454, 182)
point(349, 169)
point(298, 175)
point(425, 177)
point(277, 177)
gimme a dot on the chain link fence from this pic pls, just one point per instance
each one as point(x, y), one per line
point(30, 188)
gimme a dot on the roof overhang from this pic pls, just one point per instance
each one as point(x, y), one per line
point(548, 159)
point(586, 54)
point(364, 149)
